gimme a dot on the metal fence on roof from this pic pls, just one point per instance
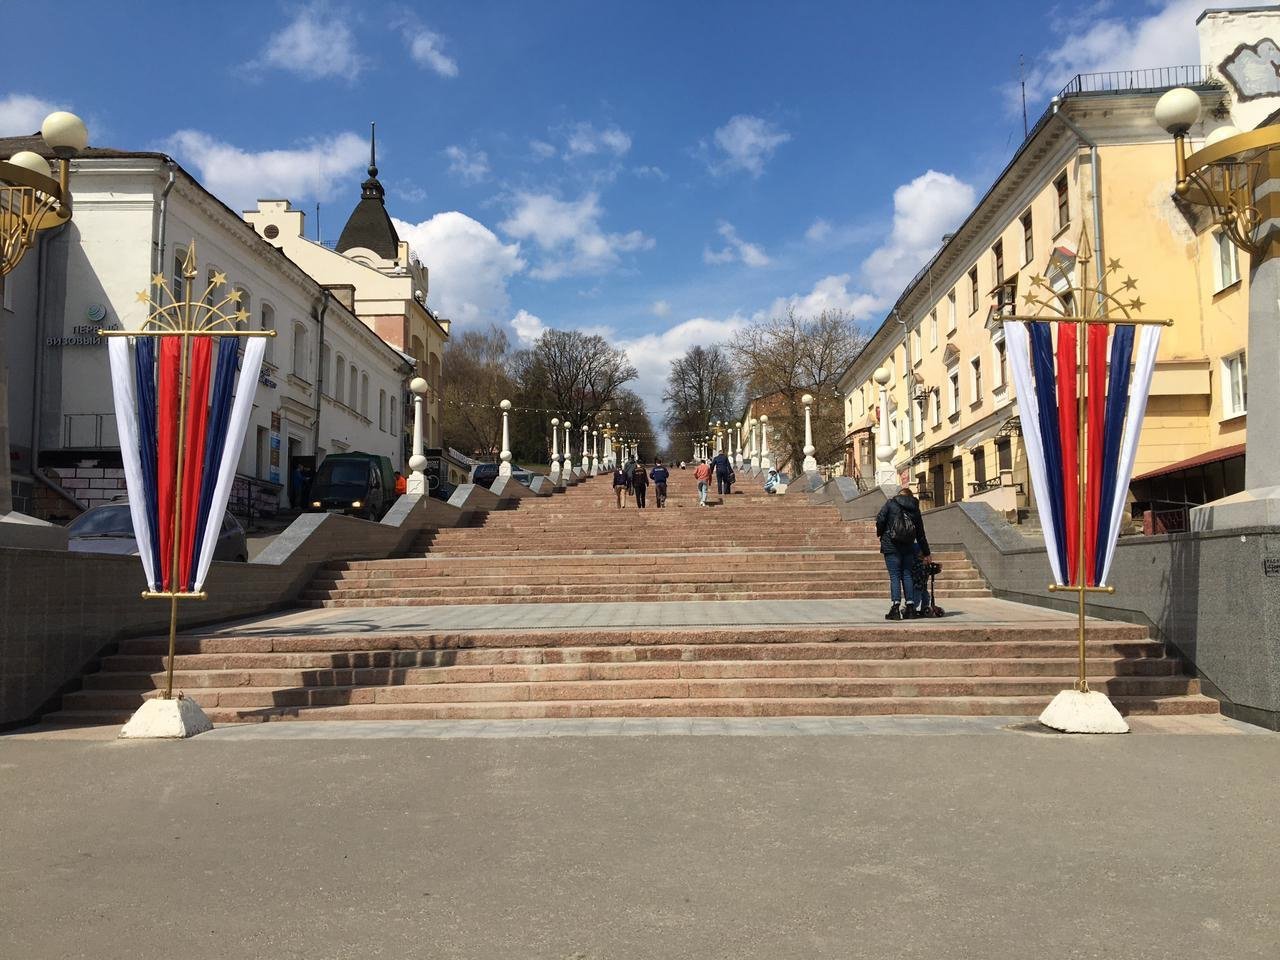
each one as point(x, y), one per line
point(1152, 78)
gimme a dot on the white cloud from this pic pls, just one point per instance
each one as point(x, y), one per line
point(818, 231)
point(736, 249)
point(829, 293)
point(568, 235)
point(652, 353)
point(661, 308)
point(315, 44)
point(470, 166)
point(426, 48)
point(649, 172)
point(923, 210)
point(542, 150)
point(528, 327)
point(22, 114)
point(585, 140)
point(1165, 36)
point(239, 177)
point(745, 143)
point(468, 266)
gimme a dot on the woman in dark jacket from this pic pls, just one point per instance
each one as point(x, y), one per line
point(900, 527)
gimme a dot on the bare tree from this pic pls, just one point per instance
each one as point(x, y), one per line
point(701, 386)
point(478, 376)
point(784, 358)
point(575, 373)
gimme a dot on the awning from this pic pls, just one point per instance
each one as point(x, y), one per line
point(938, 449)
point(982, 436)
point(1213, 456)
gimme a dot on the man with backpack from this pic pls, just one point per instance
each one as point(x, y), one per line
point(900, 527)
point(639, 483)
point(659, 475)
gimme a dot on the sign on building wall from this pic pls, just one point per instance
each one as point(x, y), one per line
point(275, 448)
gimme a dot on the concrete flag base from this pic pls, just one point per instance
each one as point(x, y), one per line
point(160, 719)
point(1075, 712)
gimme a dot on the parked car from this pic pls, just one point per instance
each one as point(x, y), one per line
point(109, 529)
point(357, 484)
point(484, 474)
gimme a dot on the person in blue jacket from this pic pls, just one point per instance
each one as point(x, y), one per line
point(659, 475)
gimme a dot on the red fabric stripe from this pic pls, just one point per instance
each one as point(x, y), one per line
point(193, 457)
point(1095, 403)
point(1068, 427)
point(167, 443)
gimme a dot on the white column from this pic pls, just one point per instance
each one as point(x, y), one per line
point(505, 455)
point(417, 481)
point(595, 452)
point(765, 462)
point(555, 448)
point(568, 450)
point(810, 464)
point(586, 456)
point(885, 473)
point(737, 431)
point(753, 451)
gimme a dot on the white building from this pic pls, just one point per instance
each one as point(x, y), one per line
point(135, 213)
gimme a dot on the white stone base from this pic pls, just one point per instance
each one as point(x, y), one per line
point(160, 719)
point(1075, 712)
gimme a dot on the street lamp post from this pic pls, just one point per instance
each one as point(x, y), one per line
point(505, 455)
point(1232, 176)
point(884, 452)
point(586, 458)
point(32, 199)
point(417, 482)
point(595, 452)
point(567, 470)
point(765, 462)
point(555, 450)
point(810, 464)
point(737, 429)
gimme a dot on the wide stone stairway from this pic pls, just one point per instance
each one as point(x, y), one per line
point(569, 607)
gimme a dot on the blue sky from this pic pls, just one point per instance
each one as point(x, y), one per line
point(662, 172)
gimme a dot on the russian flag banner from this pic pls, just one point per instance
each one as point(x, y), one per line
point(176, 545)
point(1046, 383)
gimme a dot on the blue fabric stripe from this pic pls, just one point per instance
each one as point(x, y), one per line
point(144, 355)
point(1112, 432)
point(224, 381)
point(1042, 360)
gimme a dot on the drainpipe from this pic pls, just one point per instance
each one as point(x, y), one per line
point(324, 308)
point(164, 216)
point(37, 361)
point(1096, 176)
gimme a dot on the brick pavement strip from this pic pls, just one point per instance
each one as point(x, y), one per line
point(949, 846)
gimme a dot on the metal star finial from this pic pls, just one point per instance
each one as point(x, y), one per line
point(1113, 265)
point(1129, 284)
point(218, 279)
point(158, 280)
point(144, 297)
point(1136, 304)
point(1039, 281)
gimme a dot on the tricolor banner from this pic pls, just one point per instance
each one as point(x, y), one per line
point(1046, 381)
point(145, 378)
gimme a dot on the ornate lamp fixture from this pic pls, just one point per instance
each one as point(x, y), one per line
point(1227, 173)
point(32, 198)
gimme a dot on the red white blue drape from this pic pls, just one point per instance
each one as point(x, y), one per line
point(1046, 381)
point(145, 381)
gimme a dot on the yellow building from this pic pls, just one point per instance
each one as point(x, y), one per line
point(372, 267)
point(1096, 162)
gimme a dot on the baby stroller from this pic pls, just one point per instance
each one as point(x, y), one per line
point(926, 596)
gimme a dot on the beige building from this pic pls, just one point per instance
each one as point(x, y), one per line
point(388, 284)
point(1096, 162)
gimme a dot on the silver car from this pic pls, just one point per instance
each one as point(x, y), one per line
point(109, 529)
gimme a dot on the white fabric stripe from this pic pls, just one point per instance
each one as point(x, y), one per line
point(241, 407)
point(123, 389)
point(1018, 343)
point(1139, 389)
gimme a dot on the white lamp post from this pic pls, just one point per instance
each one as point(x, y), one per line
point(810, 464)
point(595, 452)
point(753, 450)
point(417, 482)
point(586, 456)
point(765, 462)
point(737, 431)
point(555, 449)
point(568, 451)
point(505, 469)
point(884, 453)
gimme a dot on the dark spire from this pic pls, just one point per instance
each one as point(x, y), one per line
point(369, 225)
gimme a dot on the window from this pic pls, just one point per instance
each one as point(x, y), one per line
point(997, 254)
point(862, 404)
point(339, 379)
point(352, 385)
point(918, 415)
point(1028, 240)
point(979, 465)
point(269, 323)
point(917, 351)
point(935, 408)
point(391, 417)
point(933, 329)
point(973, 290)
point(210, 294)
point(1004, 454)
point(1064, 204)
point(951, 312)
point(382, 409)
point(364, 395)
point(975, 379)
point(326, 378)
point(175, 285)
point(299, 350)
point(1235, 386)
point(1227, 268)
point(953, 381)
point(1002, 364)
point(957, 479)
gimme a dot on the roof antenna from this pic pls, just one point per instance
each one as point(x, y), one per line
point(373, 149)
point(1022, 82)
point(318, 238)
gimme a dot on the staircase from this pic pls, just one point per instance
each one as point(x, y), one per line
point(577, 547)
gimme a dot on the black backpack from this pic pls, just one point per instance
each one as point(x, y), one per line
point(902, 529)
